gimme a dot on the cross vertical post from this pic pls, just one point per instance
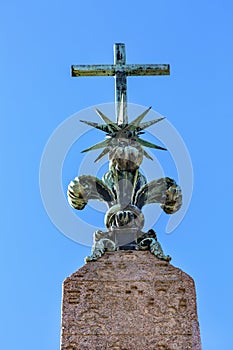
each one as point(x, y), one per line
point(120, 84)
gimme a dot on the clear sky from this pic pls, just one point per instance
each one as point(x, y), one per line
point(39, 42)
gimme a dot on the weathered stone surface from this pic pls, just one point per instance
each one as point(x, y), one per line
point(129, 300)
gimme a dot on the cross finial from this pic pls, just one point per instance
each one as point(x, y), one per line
point(120, 70)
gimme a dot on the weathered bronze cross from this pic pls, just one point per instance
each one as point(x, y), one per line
point(120, 70)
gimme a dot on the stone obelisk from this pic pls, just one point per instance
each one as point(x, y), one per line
point(128, 295)
point(129, 300)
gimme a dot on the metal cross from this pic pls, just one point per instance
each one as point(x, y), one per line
point(120, 70)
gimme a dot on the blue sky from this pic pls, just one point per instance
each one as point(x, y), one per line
point(39, 42)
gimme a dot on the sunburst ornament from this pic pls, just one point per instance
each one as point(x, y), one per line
point(123, 142)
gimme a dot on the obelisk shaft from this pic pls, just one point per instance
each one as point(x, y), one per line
point(129, 300)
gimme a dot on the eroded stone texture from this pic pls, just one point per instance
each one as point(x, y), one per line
point(129, 300)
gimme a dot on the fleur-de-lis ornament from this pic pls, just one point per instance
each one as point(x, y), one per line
point(124, 189)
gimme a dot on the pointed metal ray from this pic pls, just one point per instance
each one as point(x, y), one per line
point(102, 154)
point(106, 119)
point(97, 146)
point(149, 144)
point(137, 121)
point(145, 125)
point(101, 127)
point(147, 155)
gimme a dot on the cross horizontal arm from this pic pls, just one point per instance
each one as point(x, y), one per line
point(93, 70)
point(147, 69)
point(128, 69)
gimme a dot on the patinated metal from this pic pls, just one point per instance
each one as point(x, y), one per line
point(120, 70)
point(124, 188)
